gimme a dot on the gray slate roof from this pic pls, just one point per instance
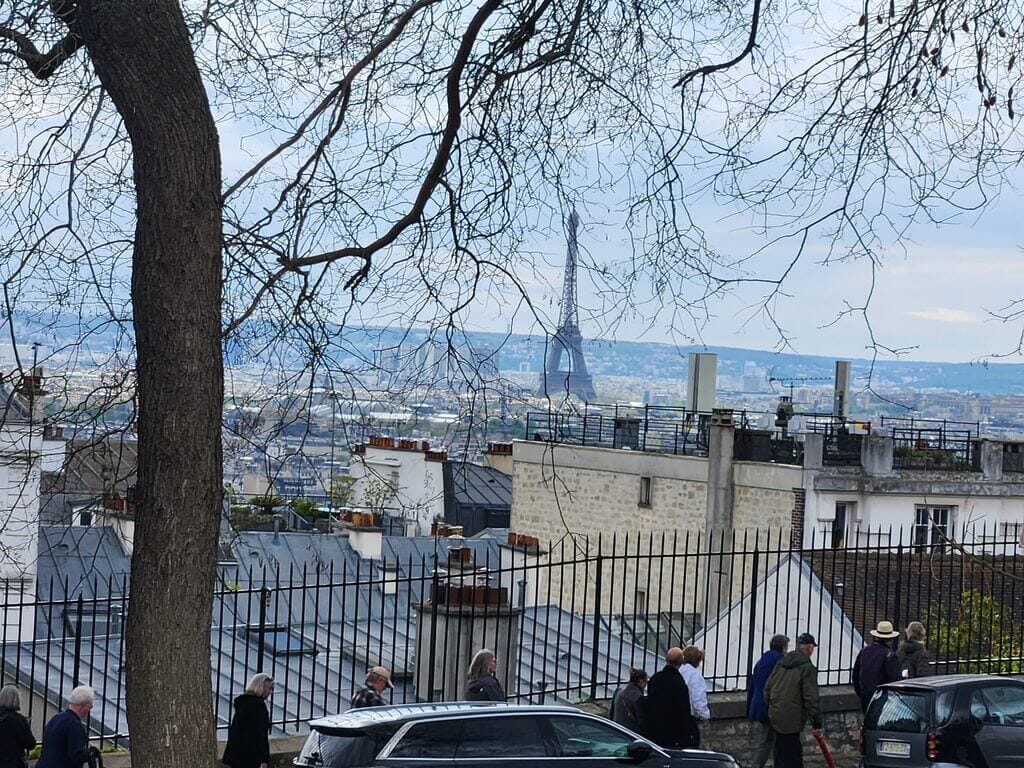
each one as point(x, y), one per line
point(317, 642)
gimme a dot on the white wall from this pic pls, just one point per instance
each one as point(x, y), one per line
point(20, 457)
point(419, 486)
point(877, 512)
point(790, 600)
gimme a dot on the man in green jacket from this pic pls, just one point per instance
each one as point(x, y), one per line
point(791, 694)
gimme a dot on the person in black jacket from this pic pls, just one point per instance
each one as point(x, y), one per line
point(65, 742)
point(16, 738)
point(628, 702)
point(877, 664)
point(913, 656)
point(249, 733)
point(668, 721)
point(483, 685)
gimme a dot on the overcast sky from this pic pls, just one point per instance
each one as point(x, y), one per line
point(933, 297)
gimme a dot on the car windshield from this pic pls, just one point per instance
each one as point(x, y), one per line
point(898, 711)
point(326, 750)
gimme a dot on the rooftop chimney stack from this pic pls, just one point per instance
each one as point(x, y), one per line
point(701, 378)
point(841, 395)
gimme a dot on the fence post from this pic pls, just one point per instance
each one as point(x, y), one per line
point(594, 654)
point(78, 645)
point(434, 591)
point(262, 630)
point(646, 420)
point(753, 609)
point(899, 581)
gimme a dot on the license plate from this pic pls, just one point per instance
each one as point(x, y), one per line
point(893, 748)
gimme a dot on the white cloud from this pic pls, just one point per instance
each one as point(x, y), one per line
point(945, 315)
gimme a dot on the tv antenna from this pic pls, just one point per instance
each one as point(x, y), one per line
point(794, 381)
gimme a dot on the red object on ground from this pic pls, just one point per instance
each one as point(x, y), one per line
point(824, 750)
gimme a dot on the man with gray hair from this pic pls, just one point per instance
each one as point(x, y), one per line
point(65, 742)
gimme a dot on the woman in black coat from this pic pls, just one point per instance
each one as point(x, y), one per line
point(483, 684)
point(249, 733)
point(16, 737)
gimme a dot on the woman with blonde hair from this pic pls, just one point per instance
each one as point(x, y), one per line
point(16, 738)
point(249, 733)
point(913, 657)
point(483, 685)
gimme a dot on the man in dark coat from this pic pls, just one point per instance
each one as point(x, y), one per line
point(877, 664)
point(628, 703)
point(757, 710)
point(791, 694)
point(65, 743)
point(667, 718)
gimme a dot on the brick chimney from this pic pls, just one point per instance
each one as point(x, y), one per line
point(499, 456)
point(463, 613)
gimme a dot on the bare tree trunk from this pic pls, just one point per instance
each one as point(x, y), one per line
point(143, 56)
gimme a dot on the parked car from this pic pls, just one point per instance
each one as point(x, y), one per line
point(955, 721)
point(464, 734)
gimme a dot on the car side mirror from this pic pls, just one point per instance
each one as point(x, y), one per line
point(638, 751)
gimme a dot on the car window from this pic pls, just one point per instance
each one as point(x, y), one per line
point(437, 739)
point(333, 751)
point(582, 737)
point(898, 711)
point(944, 707)
point(498, 737)
point(999, 705)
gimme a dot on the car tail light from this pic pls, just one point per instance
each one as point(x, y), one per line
point(934, 744)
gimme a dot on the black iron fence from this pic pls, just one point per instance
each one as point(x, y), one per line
point(568, 618)
point(645, 428)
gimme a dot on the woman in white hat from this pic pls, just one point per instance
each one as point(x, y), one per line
point(877, 664)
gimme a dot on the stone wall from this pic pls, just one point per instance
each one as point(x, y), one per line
point(596, 492)
point(591, 491)
point(729, 731)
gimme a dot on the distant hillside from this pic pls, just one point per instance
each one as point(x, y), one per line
point(646, 359)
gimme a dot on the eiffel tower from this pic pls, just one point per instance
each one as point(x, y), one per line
point(567, 339)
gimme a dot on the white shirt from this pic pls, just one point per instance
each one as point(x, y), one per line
point(698, 688)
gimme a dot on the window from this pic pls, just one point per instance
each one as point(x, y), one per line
point(932, 527)
point(844, 515)
point(492, 737)
point(280, 640)
point(1010, 531)
point(999, 705)
point(435, 740)
point(944, 707)
point(583, 737)
point(641, 601)
point(897, 712)
point(645, 492)
point(93, 620)
point(338, 751)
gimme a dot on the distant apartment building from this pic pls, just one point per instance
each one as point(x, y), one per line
point(590, 475)
point(917, 498)
point(401, 479)
point(25, 452)
point(89, 471)
point(415, 486)
point(436, 364)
